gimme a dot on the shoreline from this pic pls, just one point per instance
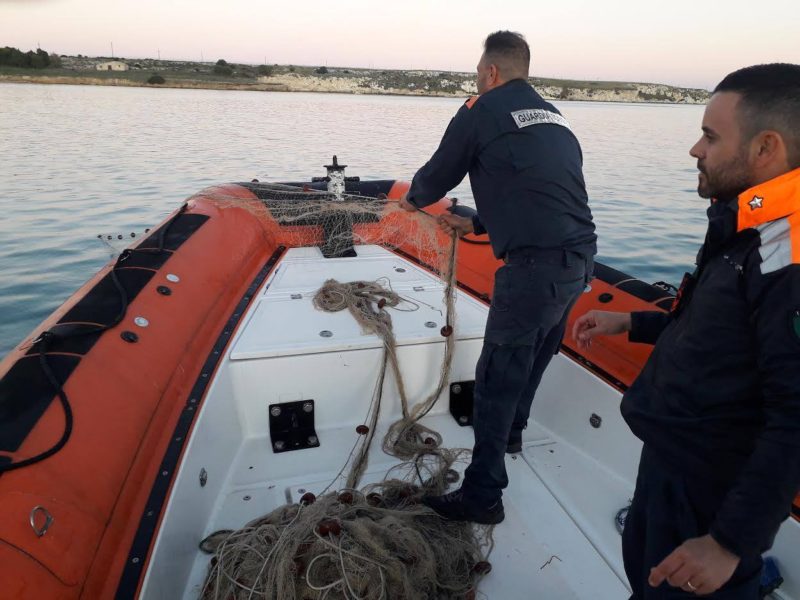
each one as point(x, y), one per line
point(277, 87)
point(354, 81)
point(120, 82)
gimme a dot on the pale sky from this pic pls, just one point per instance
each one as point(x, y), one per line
point(681, 42)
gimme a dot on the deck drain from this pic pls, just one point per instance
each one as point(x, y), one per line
point(430, 324)
point(325, 333)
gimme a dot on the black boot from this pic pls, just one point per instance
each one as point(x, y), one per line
point(457, 507)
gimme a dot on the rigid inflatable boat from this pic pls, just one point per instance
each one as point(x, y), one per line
point(138, 417)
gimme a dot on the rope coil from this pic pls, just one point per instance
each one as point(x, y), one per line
point(379, 542)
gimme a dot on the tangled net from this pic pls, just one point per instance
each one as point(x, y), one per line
point(377, 542)
point(293, 217)
point(371, 544)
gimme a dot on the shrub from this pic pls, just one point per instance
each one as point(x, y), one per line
point(265, 70)
point(291, 69)
point(321, 71)
point(156, 79)
point(31, 60)
point(224, 70)
point(657, 97)
point(222, 63)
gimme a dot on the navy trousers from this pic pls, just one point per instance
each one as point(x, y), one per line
point(533, 294)
point(670, 507)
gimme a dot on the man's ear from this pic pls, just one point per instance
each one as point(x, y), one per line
point(767, 148)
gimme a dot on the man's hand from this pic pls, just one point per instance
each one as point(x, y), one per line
point(699, 565)
point(599, 322)
point(450, 223)
point(405, 204)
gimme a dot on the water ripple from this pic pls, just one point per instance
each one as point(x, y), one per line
point(79, 161)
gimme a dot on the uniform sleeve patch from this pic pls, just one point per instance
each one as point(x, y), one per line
point(538, 116)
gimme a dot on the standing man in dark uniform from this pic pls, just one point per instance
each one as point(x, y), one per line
point(718, 403)
point(525, 168)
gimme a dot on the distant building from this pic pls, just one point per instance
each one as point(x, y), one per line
point(112, 65)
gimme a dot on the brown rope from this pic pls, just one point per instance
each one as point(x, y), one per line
point(377, 543)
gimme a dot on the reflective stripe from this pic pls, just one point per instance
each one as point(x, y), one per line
point(538, 116)
point(776, 245)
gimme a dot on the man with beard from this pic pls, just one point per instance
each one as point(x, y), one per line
point(718, 403)
point(525, 168)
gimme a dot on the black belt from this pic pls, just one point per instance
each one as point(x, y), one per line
point(542, 255)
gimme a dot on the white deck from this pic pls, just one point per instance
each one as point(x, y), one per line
point(284, 322)
point(558, 539)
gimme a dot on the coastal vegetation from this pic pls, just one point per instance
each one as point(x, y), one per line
point(223, 68)
point(222, 74)
point(13, 57)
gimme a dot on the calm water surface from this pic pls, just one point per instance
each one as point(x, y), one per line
point(79, 161)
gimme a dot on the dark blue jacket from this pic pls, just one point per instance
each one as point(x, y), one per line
point(719, 397)
point(525, 168)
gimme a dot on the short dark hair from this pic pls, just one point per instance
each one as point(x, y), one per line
point(770, 99)
point(509, 51)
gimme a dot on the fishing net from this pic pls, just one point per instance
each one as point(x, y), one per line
point(377, 541)
point(294, 216)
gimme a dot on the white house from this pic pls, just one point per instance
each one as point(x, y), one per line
point(112, 65)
